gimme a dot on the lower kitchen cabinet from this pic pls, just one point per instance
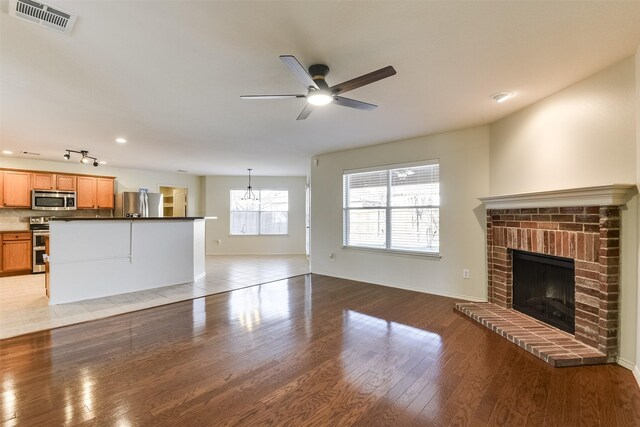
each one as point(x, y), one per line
point(16, 252)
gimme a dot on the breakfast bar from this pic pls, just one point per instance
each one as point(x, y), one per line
point(98, 257)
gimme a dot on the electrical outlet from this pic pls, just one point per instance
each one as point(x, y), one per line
point(219, 241)
point(465, 273)
point(332, 256)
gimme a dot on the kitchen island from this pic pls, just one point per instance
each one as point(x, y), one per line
point(98, 257)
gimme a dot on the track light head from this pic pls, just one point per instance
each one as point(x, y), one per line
point(95, 163)
point(67, 156)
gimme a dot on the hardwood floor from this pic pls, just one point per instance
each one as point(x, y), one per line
point(311, 350)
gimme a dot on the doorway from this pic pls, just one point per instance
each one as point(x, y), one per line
point(175, 201)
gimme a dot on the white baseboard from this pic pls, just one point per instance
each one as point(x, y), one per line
point(257, 254)
point(636, 373)
point(410, 288)
point(625, 363)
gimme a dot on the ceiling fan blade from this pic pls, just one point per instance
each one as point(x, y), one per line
point(366, 79)
point(299, 71)
point(271, 96)
point(352, 103)
point(305, 112)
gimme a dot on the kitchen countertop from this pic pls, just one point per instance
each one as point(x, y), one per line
point(106, 218)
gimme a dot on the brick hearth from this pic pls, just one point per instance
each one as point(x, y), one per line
point(552, 345)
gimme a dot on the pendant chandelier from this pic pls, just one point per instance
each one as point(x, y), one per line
point(249, 195)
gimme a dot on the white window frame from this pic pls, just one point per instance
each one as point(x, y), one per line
point(388, 208)
point(257, 192)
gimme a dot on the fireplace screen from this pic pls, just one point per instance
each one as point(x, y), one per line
point(544, 288)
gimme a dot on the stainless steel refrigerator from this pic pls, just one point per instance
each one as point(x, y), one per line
point(142, 204)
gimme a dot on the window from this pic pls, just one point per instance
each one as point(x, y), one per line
point(395, 209)
point(268, 214)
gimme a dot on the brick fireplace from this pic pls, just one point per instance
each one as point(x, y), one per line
point(582, 225)
point(590, 235)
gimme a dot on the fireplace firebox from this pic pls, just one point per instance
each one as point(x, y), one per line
point(544, 288)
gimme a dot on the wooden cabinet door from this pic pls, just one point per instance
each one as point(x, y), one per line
point(66, 182)
point(17, 189)
point(43, 181)
point(1, 260)
point(1, 201)
point(104, 197)
point(16, 255)
point(86, 192)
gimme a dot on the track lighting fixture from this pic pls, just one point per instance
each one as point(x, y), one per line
point(249, 195)
point(86, 158)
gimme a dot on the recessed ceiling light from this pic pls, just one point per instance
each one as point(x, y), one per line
point(121, 140)
point(102, 162)
point(7, 152)
point(503, 96)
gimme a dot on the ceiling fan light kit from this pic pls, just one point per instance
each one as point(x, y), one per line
point(318, 91)
point(319, 97)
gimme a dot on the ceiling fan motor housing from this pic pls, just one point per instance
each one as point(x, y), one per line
point(318, 72)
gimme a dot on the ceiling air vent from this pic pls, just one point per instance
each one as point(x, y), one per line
point(43, 14)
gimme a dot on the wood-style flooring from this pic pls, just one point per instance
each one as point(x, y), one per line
point(311, 350)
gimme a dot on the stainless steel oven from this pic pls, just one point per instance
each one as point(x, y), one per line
point(39, 228)
point(53, 200)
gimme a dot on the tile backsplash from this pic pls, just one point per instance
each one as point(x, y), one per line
point(18, 219)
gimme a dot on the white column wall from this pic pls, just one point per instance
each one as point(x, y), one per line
point(584, 135)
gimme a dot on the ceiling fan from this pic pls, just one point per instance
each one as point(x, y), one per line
point(319, 92)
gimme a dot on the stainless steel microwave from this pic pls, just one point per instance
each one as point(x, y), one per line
point(53, 200)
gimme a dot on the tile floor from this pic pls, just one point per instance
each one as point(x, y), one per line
point(24, 308)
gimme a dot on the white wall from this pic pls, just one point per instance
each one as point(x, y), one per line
point(582, 136)
point(217, 204)
point(126, 179)
point(636, 369)
point(464, 176)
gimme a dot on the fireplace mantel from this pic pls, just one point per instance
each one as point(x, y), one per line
point(604, 195)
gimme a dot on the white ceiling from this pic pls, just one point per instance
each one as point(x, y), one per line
point(167, 75)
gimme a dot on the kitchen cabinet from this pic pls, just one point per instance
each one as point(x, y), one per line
point(17, 189)
point(51, 181)
point(86, 192)
point(66, 182)
point(44, 181)
point(95, 193)
point(104, 193)
point(16, 252)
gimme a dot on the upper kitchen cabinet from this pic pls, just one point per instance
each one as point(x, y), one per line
point(44, 181)
point(50, 181)
point(105, 193)
point(66, 182)
point(95, 193)
point(86, 192)
point(16, 187)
